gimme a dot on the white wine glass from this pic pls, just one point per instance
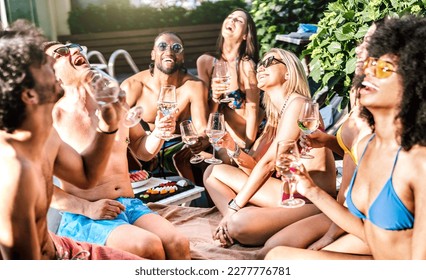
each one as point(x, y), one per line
point(215, 131)
point(286, 162)
point(167, 104)
point(105, 89)
point(221, 75)
point(308, 122)
point(190, 137)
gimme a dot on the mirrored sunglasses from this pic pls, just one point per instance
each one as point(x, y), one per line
point(381, 69)
point(268, 62)
point(175, 47)
point(66, 50)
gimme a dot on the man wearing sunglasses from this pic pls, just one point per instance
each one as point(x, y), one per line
point(167, 68)
point(108, 213)
point(31, 151)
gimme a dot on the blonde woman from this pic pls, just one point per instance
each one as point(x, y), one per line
point(248, 196)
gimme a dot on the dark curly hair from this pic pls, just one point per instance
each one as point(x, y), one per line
point(405, 38)
point(19, 49)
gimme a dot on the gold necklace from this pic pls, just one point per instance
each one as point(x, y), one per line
point(285, 104)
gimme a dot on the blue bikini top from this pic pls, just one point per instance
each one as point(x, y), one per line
point(387, 211)
point(238, 95)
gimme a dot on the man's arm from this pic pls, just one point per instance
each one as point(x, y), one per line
point(96, 210)
point(19, 192)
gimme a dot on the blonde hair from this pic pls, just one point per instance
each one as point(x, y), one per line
point(297, 82)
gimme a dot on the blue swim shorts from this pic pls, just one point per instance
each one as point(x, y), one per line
point(82, 228)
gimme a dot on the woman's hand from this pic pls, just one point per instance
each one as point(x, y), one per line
point(302, 179)
point(218, 89)
point(226, 142)
point(221, 233)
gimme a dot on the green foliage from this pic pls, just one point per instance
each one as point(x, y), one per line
point(274, 17)
point(345, 22)
point(119, 15)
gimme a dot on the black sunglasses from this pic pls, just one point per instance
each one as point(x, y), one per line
point(176, 47)
point(268, 62)
point(65, 50)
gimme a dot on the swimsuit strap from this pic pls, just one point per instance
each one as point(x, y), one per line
point(365, 149)
point(396, 159)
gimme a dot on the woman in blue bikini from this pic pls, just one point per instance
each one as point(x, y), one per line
point(387, 192)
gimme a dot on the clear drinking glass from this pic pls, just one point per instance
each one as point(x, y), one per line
point(190, 137)
point(215, 131)
point(167, 105)
point(286, 161)
point(221, 75)
point(105, 89)
point(308, 122)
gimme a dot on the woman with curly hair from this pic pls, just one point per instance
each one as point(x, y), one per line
point(385, 197)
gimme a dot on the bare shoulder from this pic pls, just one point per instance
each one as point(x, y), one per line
point(248, 65)
point(192, 82)
point(414, 160)
point(14, 169)
point(205, 59)
point(136, 81)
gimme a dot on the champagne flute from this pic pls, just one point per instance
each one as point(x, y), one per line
point(308, 122)
point(167, 105)
point(215, 131)
point(286, 161)
point(190, 137)
point(221, 75)
point(105, 89)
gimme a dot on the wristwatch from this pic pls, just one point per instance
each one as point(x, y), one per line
point(233, 205)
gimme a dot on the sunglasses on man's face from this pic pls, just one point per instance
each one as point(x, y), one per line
point(175, 47)
point(381, 69)
point(65, 50)
point(268, 62)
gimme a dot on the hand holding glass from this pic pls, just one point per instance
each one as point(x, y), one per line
point(190, 137)
point(105, 89)
point(221, 75)
point(215, 131)
point(286, 161)
point(167, 105)
point(308, 122)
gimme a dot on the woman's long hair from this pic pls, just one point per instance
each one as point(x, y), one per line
point(296, 83)
point(249, 48)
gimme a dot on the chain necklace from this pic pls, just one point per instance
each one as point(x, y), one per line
point(285, 104)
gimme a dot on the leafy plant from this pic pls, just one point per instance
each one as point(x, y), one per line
point(282, 17)
point(345, 22)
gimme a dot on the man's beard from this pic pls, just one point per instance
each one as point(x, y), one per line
point(169, 71)
point(49, 94)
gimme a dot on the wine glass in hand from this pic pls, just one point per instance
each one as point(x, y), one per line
point(286, 162)
point(308, 122)
point(105, 89)
point(215, 131)
point(167, 105)
point(190, 137)
point(222, 79)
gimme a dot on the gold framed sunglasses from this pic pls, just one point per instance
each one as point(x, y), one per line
point(66, 50)
point(268, 62)
point(381, 69)
point(175, 47)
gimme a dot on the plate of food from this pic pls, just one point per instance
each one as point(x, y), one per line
point(163, 190)
point(138, 178)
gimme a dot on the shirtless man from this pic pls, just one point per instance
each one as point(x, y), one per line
point(167, 68)
point(31, 150)
point(108, 214)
